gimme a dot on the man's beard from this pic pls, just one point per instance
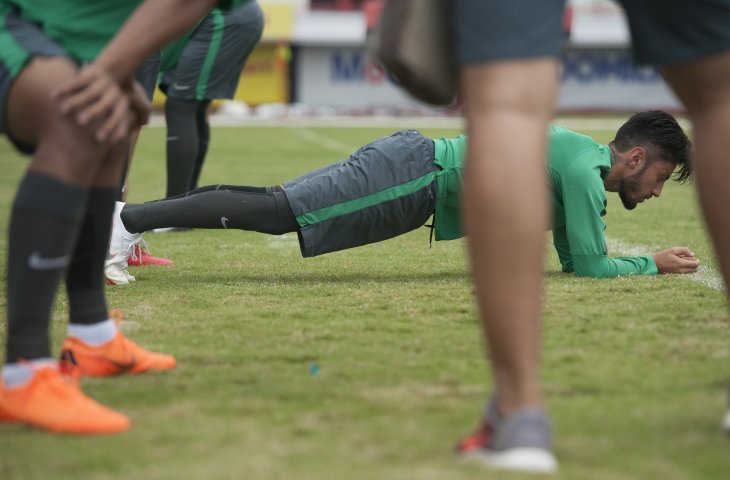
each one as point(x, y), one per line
point(628, 185)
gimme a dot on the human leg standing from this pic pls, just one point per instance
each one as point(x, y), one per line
point(704, 88)
point(691, 41)
point(207, 67)
point(45, 222)
point(94, 345)
point(506, 206)
point(183, 143)
point(201, 119)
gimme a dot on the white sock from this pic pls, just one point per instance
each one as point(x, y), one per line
point(95, 334)
point(18, 374)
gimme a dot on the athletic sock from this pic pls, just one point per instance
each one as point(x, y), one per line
point(85, 276)
point(95, 334)
point(216, 209)
point(182, 144)
point(201, 119)
point(16, 374)
point(44, 225)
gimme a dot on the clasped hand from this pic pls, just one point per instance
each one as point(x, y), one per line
point(676, 260)
point(96, 99)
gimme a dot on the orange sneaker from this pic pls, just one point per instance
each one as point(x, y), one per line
point(119, 355)
point(52, 402)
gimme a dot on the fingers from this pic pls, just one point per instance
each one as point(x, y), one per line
point(94, 98)
point(115, 126)
point(688, 265)
point(682, 252)
point(82, 91)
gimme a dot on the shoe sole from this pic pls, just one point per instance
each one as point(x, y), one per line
point(529, 460)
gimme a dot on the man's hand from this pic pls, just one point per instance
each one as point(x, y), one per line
point(94, 96)
point(676, 260)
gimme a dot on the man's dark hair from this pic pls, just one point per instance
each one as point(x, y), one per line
point(661, 135)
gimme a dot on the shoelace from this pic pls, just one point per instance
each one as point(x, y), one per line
point(53, 375)
point(141, 243)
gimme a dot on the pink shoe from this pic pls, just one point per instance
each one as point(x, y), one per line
point(141, 257)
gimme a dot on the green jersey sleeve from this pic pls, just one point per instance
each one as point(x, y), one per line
point(580, 241)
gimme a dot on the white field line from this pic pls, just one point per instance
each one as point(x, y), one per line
point(326, 141)
point(704, 275)
point(394, 122)
point(287, 240)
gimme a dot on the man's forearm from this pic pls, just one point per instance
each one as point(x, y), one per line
point(154, 24)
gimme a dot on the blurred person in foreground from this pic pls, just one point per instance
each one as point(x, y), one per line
point(69, 99)
point(508, 73)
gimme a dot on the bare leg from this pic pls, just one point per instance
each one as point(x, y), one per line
point(47, 218)
point(704, 88)
point(506, 213)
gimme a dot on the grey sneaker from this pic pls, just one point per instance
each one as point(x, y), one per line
point(521, 442)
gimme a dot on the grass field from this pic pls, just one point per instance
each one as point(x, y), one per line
point(635, 368)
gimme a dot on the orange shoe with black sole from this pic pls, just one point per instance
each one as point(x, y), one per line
point(117, 356)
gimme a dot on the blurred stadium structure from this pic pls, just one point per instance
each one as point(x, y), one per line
point(313, 60)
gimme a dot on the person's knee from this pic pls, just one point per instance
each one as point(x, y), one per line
point(63, 147)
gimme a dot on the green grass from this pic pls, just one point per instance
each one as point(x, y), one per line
point(634, 368)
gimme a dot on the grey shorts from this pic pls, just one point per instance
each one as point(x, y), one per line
point(20, 41)
point(383, 190)
point(677, 31)
point(664, 32)
point(484, 30)
point(146, 74)
point(210, 65)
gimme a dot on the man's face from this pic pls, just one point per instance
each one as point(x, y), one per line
point(646, 183)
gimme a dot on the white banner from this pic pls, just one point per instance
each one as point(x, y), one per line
point(601, 79)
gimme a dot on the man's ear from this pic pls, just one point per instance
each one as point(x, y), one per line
point(636, 157)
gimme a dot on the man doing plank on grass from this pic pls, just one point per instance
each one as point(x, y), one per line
point(394, 184)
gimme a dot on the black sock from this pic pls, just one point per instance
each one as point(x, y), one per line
point(214, 207)
point(85, 276)
point(123, 179)
point(182, 144)
point(201, 120)
point(44, 225)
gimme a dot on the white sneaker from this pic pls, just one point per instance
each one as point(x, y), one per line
point(116, 274)
point(121, 246)
point(726, 422)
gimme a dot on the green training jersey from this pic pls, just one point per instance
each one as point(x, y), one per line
point(82, 27)
point(576, 169)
